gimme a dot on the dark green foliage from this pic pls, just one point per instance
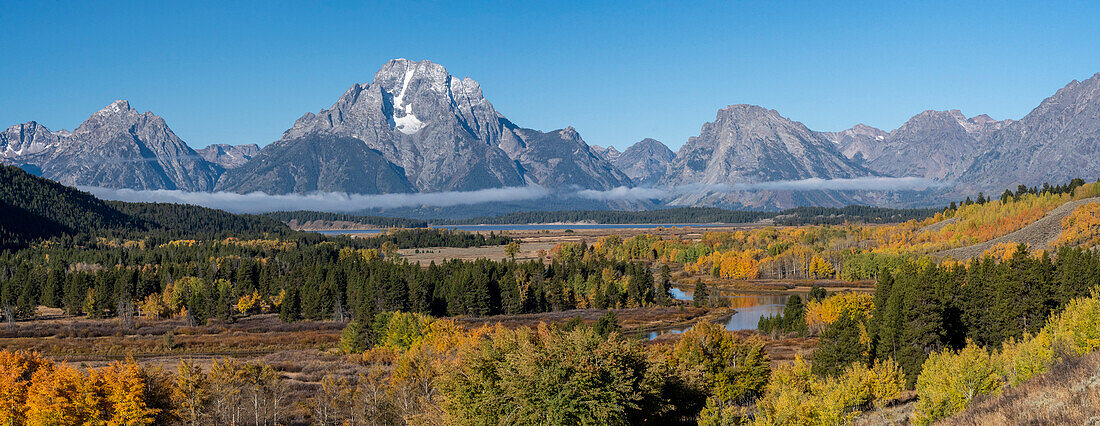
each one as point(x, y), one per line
point(291, 308)
point(663, 294)
point(671, 215)
point(413, 238)
point(849, 214)
point(355, 338)
point(838, 348)
point(187, 221)
point(796, 216)
point(817, 294)
point(607, 324)
point(700, 295)
point(34, 209)
point(792, 320)
point(379, 221)
point(924, 308)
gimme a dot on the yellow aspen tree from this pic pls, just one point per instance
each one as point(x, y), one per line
point(54, 397)
point(189, 393)
point(124, 387)
point(16, 371)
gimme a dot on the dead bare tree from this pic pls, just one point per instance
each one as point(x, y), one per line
point(126, 314)
point(9, 316)
point(338, 312)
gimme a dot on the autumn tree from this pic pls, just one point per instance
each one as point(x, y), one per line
point(717, 368)
point(191, 393)
point(512, 249)
point(549, 376)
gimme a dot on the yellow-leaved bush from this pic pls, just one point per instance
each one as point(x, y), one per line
point(796, 396)
point(1082, 227)
point(820, 314)
point(950, 380)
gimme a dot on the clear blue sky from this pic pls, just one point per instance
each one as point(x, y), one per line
point(228, 72)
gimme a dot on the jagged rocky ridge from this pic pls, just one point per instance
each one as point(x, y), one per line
point(1055, 142)
point(416, 128)
point(440, 132)
point(645, 162)
point(229, 156)
point(938, 145)
point(117, 147)
point(747, 144)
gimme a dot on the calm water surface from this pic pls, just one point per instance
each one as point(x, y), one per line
point(750, 307)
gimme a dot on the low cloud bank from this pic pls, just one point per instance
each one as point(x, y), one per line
point(867, 183)
point(624, 193)
point(258, 202)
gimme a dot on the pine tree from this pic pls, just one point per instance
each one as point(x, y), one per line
point(700, 296)
point(794, 316)
point(291, 308)
point(839, 347)
point(608, 323)
point(921, 324)
point(663, 295)
point(51, 293)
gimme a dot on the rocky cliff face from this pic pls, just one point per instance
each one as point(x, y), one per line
point(937, 145)
point(27, 139)
point(609, 153)
point(859, 142)
point(561, 159)
point(1055, 142)
point(314, 163)
point(645, 162)
point(747, 143)
point(117, 147)
point(445, 136)
point(229, 156)
point(436, 127)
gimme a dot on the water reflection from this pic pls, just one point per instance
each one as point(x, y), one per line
point(750, 307)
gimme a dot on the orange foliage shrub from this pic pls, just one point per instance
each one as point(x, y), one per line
point(34, 390)
point(1082, 227)
point(1001, 251)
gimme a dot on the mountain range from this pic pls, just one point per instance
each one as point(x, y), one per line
point(416, 128)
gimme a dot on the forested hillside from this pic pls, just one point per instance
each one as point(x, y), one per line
point(421, 238)
point(182, 220)
point(302, 217)
point(35, 208)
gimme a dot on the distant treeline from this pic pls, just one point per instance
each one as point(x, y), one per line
point(420, 238)
point(796, 216)
point(862, 214)
point(673, 215)
point(379, 221)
